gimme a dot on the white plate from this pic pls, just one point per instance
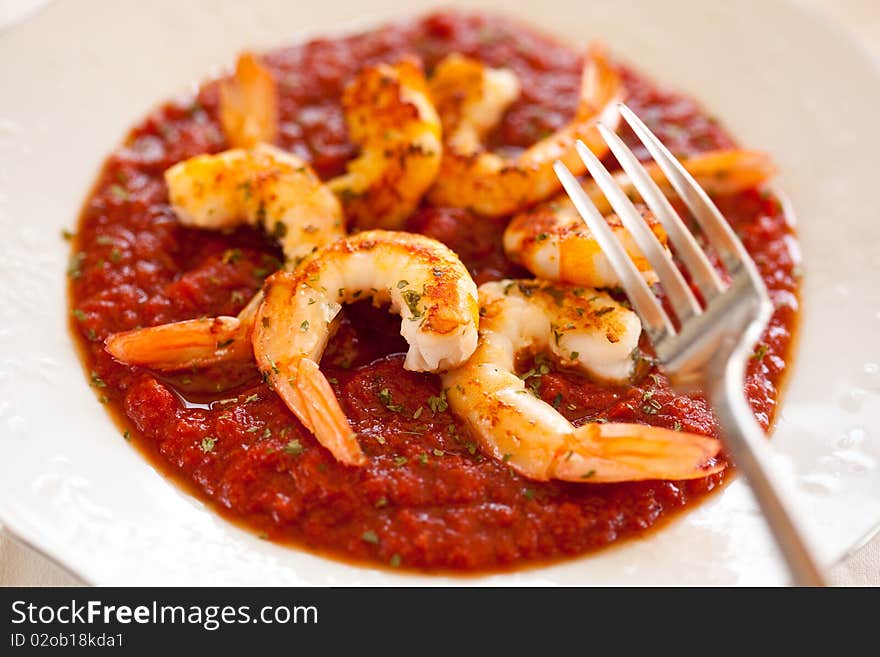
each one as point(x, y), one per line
point(75, 76)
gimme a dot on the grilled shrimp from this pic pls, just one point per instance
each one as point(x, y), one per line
point(391, 117)
point(471, 98)
point(424, 282)
point(584, 329)
point(249, 104)
point(552, 241)
point(262, 185)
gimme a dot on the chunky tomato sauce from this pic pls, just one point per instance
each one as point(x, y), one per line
point(428, 498)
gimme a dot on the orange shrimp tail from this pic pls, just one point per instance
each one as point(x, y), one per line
point(313, 401)
point(601, 89)
point(718, 172)
point(183, 345)
point(729, 171)
point(249, 104)
point(615, 452)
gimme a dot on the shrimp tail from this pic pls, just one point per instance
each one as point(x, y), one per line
point(602, 89)
point(313, 401)
point(249, 104)
point(718, 172)
point(471, 98)
point(730, 171)
point(183, 345)
point(614, 452)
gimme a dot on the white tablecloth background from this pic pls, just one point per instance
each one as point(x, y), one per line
point(21, 566)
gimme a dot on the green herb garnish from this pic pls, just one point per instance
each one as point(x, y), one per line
point(74, 265)
point(438, 404)
point(119, 192)
point(760, 352)
point(412, 298)
point(385, 397)
point(294, 448)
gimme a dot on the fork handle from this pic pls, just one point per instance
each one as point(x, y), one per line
point(751, 452)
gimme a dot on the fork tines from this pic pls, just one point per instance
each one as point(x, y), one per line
point(681, 299)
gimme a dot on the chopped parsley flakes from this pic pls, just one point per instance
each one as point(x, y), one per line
point(74, 266)
point(388, 402)
point(438, 404)
point(294, 448)
point(412, 298)
point(119, 192)
point(760, 352)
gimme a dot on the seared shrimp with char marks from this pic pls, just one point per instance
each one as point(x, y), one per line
point(391, 117)
point(471, 98)
point(262, 185)
point(583, 329)
point(552, 241)
point(259, 186)
point(423, 280)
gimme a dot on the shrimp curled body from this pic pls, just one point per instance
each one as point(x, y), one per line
point(260, 186)
point(391, 117)
point(422, 280)
point(552, 241)
point(471, 98)
point(583, 329)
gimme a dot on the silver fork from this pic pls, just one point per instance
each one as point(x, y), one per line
point(709, 349)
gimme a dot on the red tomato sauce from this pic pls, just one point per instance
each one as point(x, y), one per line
point(428, 499)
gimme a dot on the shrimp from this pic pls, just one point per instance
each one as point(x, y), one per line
point(584, 329)
point(552, 241)
point(192, 343)
point(423, 280)
point(249, 104)
point(718, 172)
point(262, 185)
point(471, 98)
point(391, 117)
